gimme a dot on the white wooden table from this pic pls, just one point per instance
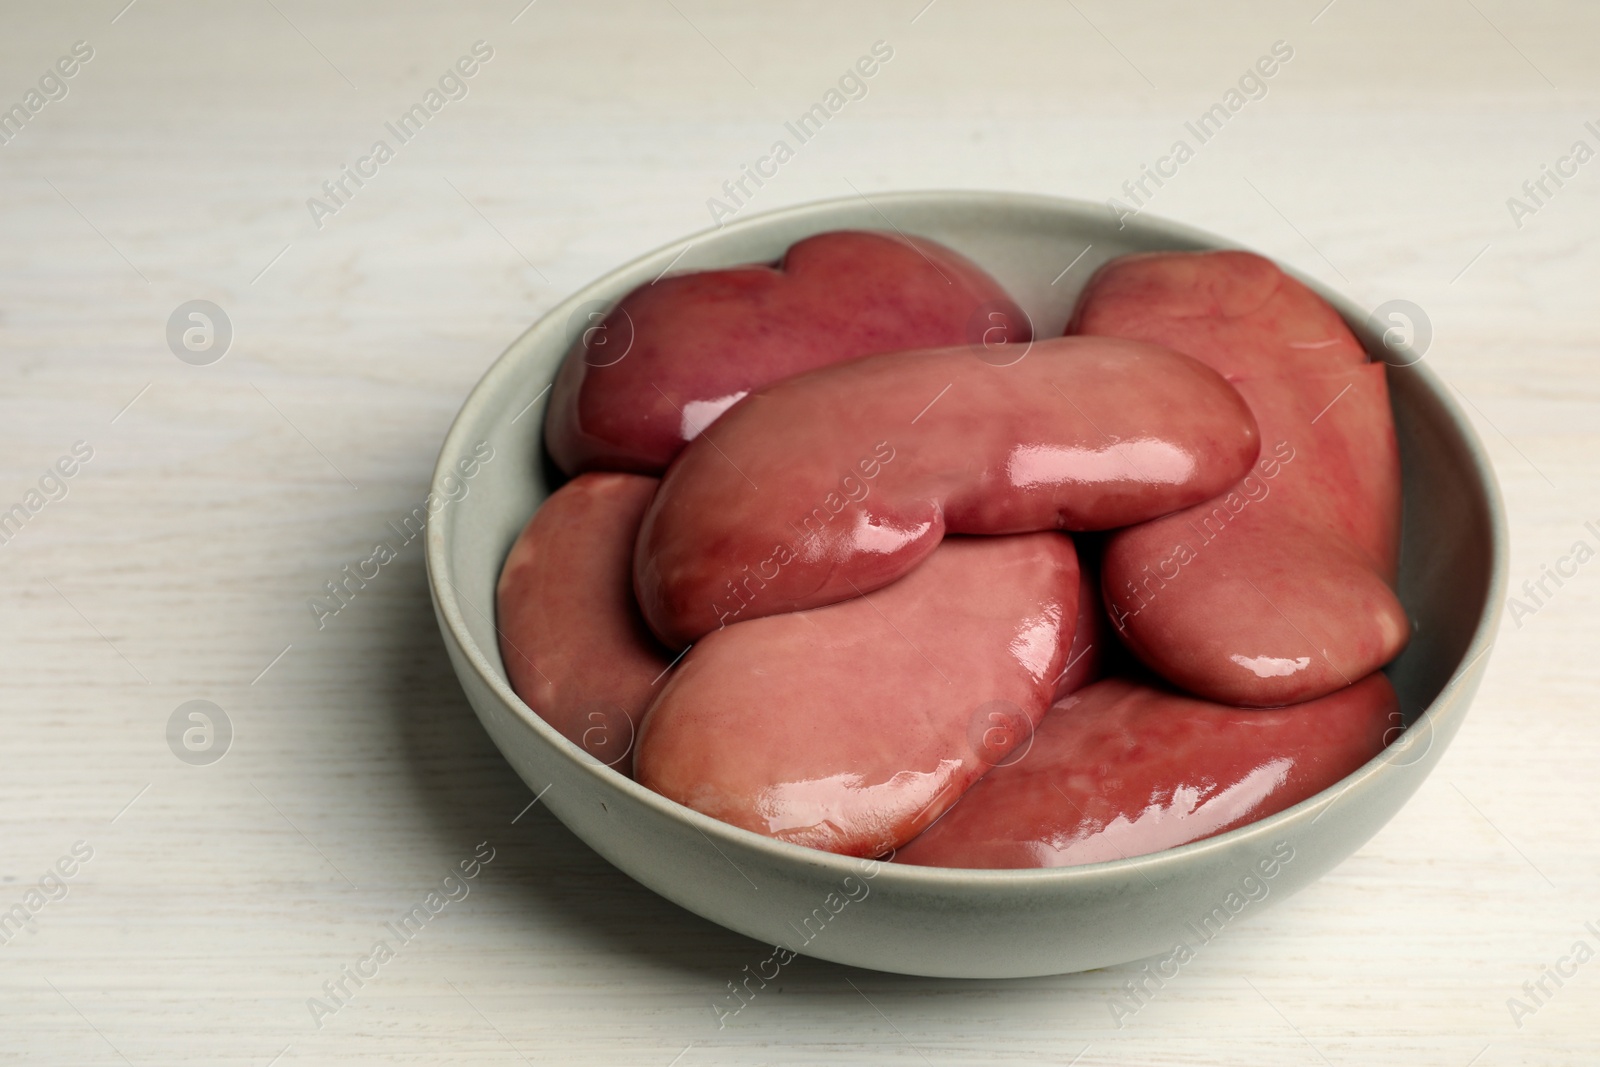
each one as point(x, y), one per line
point(177, 566)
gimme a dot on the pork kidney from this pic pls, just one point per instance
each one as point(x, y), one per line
point(574, 645)
point(1281, 589)
point(1234, 311)
point(1124, 769)
point(674, 354)
point(851, 727)
point(837, 482)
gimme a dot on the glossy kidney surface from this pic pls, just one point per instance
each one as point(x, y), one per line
point(645, 379)
point(1280, 589)
point(837, 482)
point(575, 648)
point(850, 727)
point(1124, 768)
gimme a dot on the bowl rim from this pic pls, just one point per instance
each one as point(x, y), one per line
point(452, 619)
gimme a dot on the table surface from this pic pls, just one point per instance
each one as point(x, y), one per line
point(217, 499)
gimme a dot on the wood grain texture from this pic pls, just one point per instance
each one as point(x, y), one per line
point(179, 564)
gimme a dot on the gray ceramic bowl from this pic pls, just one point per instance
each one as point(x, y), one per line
point(937, 921)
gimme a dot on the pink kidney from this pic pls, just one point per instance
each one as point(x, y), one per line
point(645, 378)
point(1123, 768)
point(1279, 590)
point(839, 481)
point(573, 643)
point(851, 727)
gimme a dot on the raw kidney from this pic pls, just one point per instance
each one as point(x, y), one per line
point(1279, 590)
point(837, 482)
point(1124, 768)
point(851, 727)
point(674, 354)
point(574, 645)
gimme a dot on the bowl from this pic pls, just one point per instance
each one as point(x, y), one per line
point(944, 921)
